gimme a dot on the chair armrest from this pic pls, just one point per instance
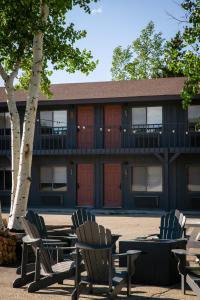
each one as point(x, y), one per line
point(28, 240)
point(54, 243)
point(183, 252)
point(60, 238)
point(59, 227)
point(49, 240)
point(128, 253)
point(61, 248)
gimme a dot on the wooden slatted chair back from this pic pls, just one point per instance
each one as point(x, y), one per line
point(32, 233)
point(38, 221)
point(80, 216)
point(172, 225)
point(96, 261)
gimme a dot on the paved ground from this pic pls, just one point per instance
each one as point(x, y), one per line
point(128, 227)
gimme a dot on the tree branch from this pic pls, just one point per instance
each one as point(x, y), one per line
point(15, 70)
point(3, 73)
point(176, 19)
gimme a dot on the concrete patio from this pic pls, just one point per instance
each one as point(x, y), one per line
point(129, 227)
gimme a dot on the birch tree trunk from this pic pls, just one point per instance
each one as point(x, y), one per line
point(15, 136)
point(26, 151)
point(15, 125)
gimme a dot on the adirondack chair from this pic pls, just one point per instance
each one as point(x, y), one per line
point(54, 241)
point(38, 221)
point(95, 245)
point(189, 274)
point(171, 226)
point(46, 272)
point(82, 215)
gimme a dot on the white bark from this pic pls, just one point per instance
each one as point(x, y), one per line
point(26, 150)
point(15, 125)
point(15, 137)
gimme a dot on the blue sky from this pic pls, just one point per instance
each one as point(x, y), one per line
point(118, 22)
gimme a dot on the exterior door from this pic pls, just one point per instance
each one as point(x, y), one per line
point(85, 122)
point(112, 122)
point(85, 185)
point(112, 185)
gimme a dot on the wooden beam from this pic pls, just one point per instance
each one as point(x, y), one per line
point(159, 157)
point(174, 156)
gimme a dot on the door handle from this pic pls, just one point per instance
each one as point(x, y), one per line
point(77, 186)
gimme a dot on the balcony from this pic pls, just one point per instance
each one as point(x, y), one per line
point(177, 137)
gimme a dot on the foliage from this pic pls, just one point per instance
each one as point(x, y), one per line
point(121, 59)
point(144, 58)
point(183, 51)
point(19, 20)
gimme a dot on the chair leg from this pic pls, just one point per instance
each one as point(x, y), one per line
point(30, 267)
point(90, 288)
point(117, 289)
point(44, 282)
point(77, 291)
point(183, 283)
point(40, 284)
point(21, 281)
point(128, 286)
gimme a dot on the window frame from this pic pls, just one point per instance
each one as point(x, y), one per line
point(52, 189)
point(187, 177)
point(193, 126)
point(146, 166)
point(5, 130)
point(147, 128)
point(51, 130)
point(4, 179)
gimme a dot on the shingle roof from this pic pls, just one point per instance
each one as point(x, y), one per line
point(109, 89)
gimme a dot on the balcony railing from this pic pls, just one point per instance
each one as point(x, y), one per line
point(168, 135)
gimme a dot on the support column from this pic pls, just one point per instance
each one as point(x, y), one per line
point(166, 180)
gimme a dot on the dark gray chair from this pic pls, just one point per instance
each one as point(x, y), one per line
point(95, 245)
point(38, 221)
point(189, 274)
point(171, 226)
point(82, 215)
point(46, 271)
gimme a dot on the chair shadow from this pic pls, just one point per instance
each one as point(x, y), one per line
point(99, 293)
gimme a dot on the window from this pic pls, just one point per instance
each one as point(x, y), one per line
point(5, 180)
point(147, 118)
point(53, 122)
point(194, 178)
point(53, 179)
point(146, 179)
point(4, 123)
point(194, 116)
